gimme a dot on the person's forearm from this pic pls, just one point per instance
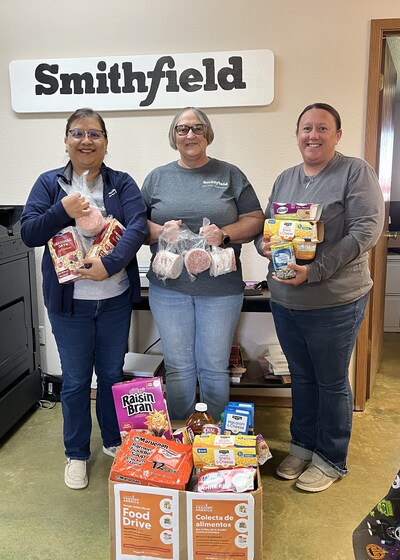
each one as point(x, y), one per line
point(247, 227)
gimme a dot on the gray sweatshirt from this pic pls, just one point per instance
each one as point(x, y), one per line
point(353, 217)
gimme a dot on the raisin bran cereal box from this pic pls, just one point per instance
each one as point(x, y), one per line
point(140, 405)
point(152, 461)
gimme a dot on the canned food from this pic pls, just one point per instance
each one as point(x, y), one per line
point(211, 429)
point(282, 255)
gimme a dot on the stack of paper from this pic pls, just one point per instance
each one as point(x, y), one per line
point(141, 365)
point(277, 363)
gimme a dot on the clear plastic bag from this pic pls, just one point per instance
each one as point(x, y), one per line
point(93, 222)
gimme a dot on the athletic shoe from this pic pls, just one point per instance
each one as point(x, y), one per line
point(112, 450)
point(291, 467)
point(75, 475)
point(314, 480)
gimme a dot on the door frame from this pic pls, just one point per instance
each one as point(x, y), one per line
point(379, 29)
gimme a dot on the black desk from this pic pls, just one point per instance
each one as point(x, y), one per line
point(251, 304)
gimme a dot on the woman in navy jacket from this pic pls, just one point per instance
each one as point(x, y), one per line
point(90, 318)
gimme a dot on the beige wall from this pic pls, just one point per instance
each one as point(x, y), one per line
point(321, 54)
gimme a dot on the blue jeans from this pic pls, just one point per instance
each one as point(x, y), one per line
point(318, 344)
point(196, 334)
point(94, 336)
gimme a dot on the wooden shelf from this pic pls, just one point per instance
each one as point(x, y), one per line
point(253, 377)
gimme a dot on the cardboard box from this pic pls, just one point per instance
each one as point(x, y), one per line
point(293, 229)
point(164, 524)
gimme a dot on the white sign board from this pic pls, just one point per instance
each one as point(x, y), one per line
point(120, 83)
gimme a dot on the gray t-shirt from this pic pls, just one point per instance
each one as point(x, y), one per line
point(352, 213)
point(218, 191)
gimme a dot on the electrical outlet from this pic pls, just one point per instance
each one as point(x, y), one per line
point(42, 338)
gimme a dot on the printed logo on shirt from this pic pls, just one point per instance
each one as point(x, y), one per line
point(218, 184)
point(112, 193)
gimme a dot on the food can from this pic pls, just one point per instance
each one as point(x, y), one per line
point(282, 255)
point(211, 429)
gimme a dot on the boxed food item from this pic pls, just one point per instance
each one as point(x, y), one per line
point(67, 254)
point(293, 229)
point(148, 523)
point(107, 239)
point(224, 451)
point(296, 211)
point(140, 405)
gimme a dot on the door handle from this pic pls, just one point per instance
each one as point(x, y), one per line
point(391, 234)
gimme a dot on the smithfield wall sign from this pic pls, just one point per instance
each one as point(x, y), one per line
point(220, 79)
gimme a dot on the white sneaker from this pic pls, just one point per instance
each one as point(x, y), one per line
point(111, 451)
point(75, 475)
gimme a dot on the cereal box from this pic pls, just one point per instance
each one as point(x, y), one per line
point(140, 405)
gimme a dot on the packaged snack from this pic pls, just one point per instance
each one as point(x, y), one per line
point(296, 211)
point(263, 452)
point(67, 253)
point(283, 254)
point(107, 239)
point(239, 479)
point(152, 461)
point(140, 405)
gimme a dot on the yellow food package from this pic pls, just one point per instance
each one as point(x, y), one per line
point(224, 451)
point(289, 229)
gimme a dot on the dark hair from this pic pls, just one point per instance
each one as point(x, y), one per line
point(209, 133)
point(86, 113)
point(325, 107)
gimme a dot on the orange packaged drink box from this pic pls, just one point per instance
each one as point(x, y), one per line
point(152, 461)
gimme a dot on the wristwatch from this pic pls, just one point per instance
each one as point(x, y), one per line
point(225, 241)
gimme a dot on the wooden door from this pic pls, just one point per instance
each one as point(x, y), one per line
point(379, 153)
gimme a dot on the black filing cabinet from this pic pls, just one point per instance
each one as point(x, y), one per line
point(20, 377)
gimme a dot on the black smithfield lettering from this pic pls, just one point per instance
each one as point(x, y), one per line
point(122, 79)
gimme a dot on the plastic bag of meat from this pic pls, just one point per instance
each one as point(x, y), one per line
point(167, 262)
point(92, 223)
point(223, 260)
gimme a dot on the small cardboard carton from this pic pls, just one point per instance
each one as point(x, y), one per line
point(149, 523)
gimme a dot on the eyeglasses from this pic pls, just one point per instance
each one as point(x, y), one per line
point(183, 129)
point(79, 134)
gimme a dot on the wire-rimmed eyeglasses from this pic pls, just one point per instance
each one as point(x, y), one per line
point(183, 129)
point(93, 134)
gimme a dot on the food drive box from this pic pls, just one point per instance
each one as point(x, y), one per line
point(148, 523)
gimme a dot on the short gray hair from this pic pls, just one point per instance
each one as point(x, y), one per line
point(209, 133)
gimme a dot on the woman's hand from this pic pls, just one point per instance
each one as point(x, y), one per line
point(264, 248)
point(93, 270)
point(75, 205)
point(213, 234)
point(154, 230)
point(300, 278)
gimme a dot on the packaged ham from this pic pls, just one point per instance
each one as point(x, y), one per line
point(107, 239)
point(223, 261)
point(91, 224)
point(67, 253)
point(167, 264)
point(197, 260)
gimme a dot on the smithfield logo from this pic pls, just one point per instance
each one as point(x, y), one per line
point(240, 78)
